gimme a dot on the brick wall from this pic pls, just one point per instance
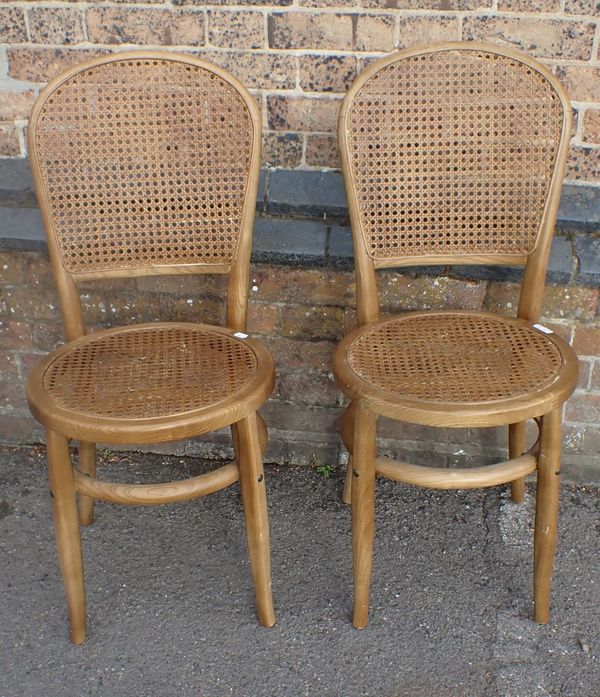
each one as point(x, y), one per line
point(298, 56)
point(300, 313)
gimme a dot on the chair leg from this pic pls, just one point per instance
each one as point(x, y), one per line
point(66, 524)
point(252, 483)
point(516, 447)
point(87, 464)
point(546, 512)
point(363, 511)
point(347, 428)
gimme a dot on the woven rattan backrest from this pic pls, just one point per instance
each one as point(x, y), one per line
point(451, 150)
point(145, 160)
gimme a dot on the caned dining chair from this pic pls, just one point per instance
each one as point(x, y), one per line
point(147, 163)
point(454, 154)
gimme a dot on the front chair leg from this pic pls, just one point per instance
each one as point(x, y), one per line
point(516, 447)
point(546, 512)
point(87, 464)
point(252, 484)
point(66, 524)
point(363, 511)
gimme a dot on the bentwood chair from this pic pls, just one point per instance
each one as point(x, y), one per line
point(454, 154)
point(147, 163)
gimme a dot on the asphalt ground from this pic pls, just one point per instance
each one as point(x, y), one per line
point(171, 609)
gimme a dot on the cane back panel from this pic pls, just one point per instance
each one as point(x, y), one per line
point(452, 152)
point(144, 161)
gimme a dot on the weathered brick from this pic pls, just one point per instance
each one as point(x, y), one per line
point(12, 395)
point(12, 25)
point(587, 340)
point(583, 164)
point(595, 377)
point(544, 38)
point(30, 268)
point(581, 82)
point(20, 428)
point(322, 151)
point(582, 7)
point(583, 407)
point(46, 336)
point(428, 4)
point(559, 302)
point(56, 25)
point(9, 140)
point(300, 354)
point(113, 25)
point(529, 5)
point(302, 113)
point(308, 31)
point(291, 417)
point(15, 334)
point(16, 105)
point(239, 29)
point(327, 73)
point(205, 310)
point(230, 2)
point(282, 149)
point(42, 64)
point(398, 292)
point(307, 286)
point(31, 303)
point(313, 323)
point(263, 319)
point(374, 33)
point(425, 30)
point(9, 371)
point(328, 3)
point(303, 387)
point(591, 126)
point(256, 70)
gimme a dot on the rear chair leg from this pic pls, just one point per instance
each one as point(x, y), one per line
point(66, 524)
point(546, 512)
point(252, 483)
point(87, 465)
point(516, 447)
point(347, 427)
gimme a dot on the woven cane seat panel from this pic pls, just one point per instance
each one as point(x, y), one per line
point(149, 372)
point(145, 162)
point(453, 152)
point(454, 358)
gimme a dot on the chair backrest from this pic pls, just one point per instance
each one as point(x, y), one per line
point(147, 162)
point(454, 153)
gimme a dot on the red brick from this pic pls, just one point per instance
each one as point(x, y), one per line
point(55, 25)
point(15, 334)
point(302, 113)
point(374, 33)
point(300, 354)
point(9, 140)
point(587, 340)
point(543, 38)
point(239, 29)
point(425, 30)
point(263, 319)
point(282, 149)
point(583, 407)
point(308, 286)
point(322, 151)
point(16, 105)
point(256, 70)
point(326, 73)
point(112, 25)
point(313, 323)
point(12, 25)
point(306, 30)
point(42, 64)
point(398, 292)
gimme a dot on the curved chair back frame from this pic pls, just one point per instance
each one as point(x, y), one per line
point(432, 105)
point(99, 224)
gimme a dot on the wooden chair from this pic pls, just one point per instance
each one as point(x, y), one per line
point(147, 163)
point(454, 154)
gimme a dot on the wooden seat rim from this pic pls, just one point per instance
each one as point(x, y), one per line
point(158, 429)
point(456, 414)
